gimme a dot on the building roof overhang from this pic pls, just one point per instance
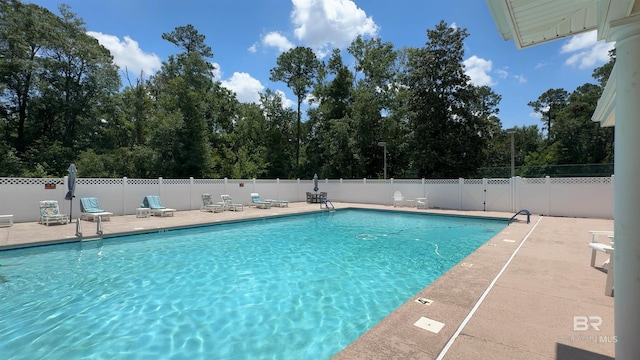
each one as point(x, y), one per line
point(533, 22)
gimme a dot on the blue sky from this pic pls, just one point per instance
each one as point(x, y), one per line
point(248, 35)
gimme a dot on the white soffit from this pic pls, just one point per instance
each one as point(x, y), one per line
point(533, 22)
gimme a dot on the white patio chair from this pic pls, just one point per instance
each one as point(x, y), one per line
point(398, 199)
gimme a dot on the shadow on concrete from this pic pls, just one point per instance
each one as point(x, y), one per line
point(566, 352)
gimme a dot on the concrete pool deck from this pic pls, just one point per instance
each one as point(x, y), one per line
point(527, 293)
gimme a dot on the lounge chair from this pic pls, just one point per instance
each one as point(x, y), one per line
point(255, 200)
point(398, 199)
point(278, 203)
point(50, 212)
point(209, 205)
point(152, 202)
point(90, 210)
point(596, 245)
point(309, 198)
point(606, 248)
point(230, 205)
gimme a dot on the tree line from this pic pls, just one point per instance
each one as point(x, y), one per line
point(62, 101)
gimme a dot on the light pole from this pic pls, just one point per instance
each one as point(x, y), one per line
point(511, 132)
point(384, 145)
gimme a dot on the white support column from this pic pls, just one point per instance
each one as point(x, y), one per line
point(626, 208)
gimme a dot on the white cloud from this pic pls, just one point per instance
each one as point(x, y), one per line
point(326, 24)
point(286, 103)
point(128, 55)
point(503, 74)
point(277, 40)
point(217, 71)
point(586, 51)
point(520, 79)
point(538, 115)
point(246, 87)
point(253, 48)
point(540, 65)
point(478, 70)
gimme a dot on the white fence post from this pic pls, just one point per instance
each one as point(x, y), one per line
point(124, 195)
point(364, 183)
point(513, 189)
point(611, 192)
point(484, 194)
point(547, 182)
point(391, 190)
point(460, 189)
point(191, 193)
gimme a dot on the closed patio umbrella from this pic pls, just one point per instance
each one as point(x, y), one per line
point(71, 186)
point(315, 183)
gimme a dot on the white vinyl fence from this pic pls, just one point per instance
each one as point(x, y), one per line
point(571, 197)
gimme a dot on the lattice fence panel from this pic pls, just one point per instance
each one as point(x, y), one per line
point(96, 181)
point(407, 181)
point(582, 180)
point(442, 181)
point(534, 181)
point(143, 181)
point(176, 181)
point(31, 181)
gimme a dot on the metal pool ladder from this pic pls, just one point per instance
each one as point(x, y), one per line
point(327, 205)
point(523, 211)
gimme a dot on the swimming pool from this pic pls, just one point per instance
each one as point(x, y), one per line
point(299, 287)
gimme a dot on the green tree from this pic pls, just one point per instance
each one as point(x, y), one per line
point(24, 30)
point(484, 105)
point(577, 139)
point(602, 73)
point(182, 86)
point(574, 138)
point(250, 153)
point(279, 135)
point(333, 94)
point(54, 78)
point(137, 105)
point(447, 136)
point(297, 68)
point(221, 112)
point(527, 141)
point(374, 91)
point(548, 105)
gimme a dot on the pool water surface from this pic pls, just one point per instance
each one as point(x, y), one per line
point(296, 287)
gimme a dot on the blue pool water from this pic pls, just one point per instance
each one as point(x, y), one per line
point(298, 287)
